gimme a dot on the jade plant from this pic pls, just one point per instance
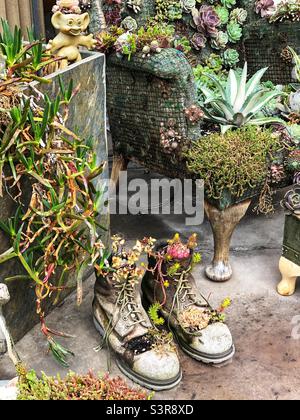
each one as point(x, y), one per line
point(55, 229)
point(239, 102)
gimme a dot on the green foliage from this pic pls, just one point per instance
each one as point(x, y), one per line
point(234, 32)
point(183, 45)
point(168, 10)
point(233, 162)
point(11, 43)
point(154, 314)
point(58, 229)
point(173, 269)
point(23, 61)
point(197, 258)
point(76, 387)
point(239, 102)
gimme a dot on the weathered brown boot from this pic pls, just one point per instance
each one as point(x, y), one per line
point(195, 324)
point(121, 319)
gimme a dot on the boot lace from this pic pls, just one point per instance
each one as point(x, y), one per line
point(129, 310)
point(185, 294)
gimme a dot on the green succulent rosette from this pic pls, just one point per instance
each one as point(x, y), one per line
point(231, 57)
point(220, 41)
point(228, 3)
point(223, 14)
point(239, 16)
point(234, 32)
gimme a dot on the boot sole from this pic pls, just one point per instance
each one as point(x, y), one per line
point(207, 359)
point(153, 386)
point(203, 357)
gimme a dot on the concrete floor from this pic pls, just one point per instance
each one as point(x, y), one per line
point(267, 363)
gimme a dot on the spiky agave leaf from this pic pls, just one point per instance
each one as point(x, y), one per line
point(240, 103)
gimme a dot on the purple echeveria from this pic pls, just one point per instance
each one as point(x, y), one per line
point(198, 41)
point(297, 178)
point(207, 20)
point(291, 202)
point(265, 7)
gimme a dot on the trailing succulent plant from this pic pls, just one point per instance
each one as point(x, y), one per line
point(232, 174)
point(74, 387)
point(239, 102)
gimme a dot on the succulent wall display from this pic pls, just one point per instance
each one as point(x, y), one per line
point(217, 23)
point(198, 26)
point(278, 10)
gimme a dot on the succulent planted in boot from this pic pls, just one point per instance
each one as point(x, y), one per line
point(170, 289)
point(143, 353)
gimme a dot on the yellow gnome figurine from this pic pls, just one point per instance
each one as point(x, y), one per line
point(71, 23)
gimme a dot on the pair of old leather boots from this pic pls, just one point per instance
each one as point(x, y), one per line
point(145, 352)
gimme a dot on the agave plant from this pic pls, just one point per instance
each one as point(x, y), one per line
point(239, 102)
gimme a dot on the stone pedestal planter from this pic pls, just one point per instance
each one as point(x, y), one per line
point(289, 264)
point(88, 119)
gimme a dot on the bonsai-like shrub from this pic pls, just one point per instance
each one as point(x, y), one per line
point(233, 162)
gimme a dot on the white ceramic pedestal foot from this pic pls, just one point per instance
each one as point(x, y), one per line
point(219, 271)
point(289, 271)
